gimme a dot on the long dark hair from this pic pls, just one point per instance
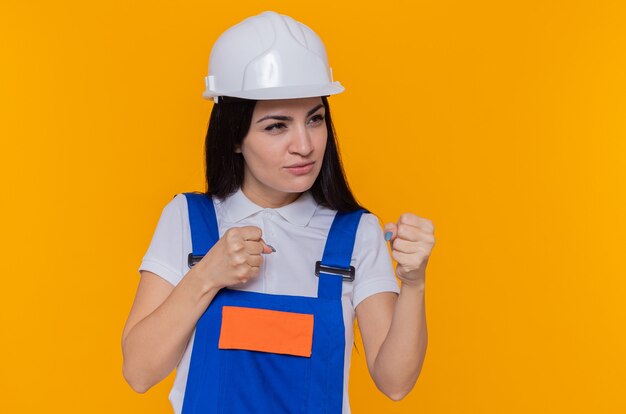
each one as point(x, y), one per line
point(228, 126)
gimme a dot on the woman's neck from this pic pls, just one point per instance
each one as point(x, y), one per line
point(267, 200)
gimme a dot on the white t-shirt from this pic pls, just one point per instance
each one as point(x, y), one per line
point(298, 233)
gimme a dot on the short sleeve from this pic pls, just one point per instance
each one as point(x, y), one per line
point(166, 254)
point(374, 270)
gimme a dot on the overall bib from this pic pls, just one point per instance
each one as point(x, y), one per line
point(265, 353)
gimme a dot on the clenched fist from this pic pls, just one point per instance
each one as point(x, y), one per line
point(412, 239)
point(235, 258)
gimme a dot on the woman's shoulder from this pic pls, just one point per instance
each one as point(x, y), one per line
point(369, 227)
point(173, 214)
point(175, 211)
point(177, 204)
point(179, 201)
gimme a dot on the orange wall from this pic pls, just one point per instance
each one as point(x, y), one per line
point(502, 122)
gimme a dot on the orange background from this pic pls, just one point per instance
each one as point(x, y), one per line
point(502, 122)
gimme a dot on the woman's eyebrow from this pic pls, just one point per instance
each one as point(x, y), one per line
point(277, 117)
point(312, 111)
point(288, 118)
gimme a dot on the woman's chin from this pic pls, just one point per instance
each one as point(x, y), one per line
point(298, 185)
point(301, 188)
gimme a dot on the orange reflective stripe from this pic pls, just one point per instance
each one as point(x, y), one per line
point(266, 331)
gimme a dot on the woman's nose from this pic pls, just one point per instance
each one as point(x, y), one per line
point(301, 142)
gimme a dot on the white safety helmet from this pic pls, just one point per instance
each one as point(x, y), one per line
point(269, 56)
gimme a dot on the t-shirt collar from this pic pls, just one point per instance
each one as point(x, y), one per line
point(238, 207)
point(300, 211)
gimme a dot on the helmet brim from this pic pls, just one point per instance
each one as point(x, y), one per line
point(284, 92)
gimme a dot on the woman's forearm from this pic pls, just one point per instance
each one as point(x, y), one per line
point(154, 346)
point(401, 355)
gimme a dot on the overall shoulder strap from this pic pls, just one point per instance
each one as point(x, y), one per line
point(337, 254)
point(202, 221)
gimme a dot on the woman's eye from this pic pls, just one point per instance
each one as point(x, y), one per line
point(275, 127)
point(316, 119)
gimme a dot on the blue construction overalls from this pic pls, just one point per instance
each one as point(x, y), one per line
point(250, 381)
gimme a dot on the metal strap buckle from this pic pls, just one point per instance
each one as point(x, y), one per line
point(346, 274)
point(193, 259)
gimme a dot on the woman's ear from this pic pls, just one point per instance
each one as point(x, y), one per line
point(238, 149)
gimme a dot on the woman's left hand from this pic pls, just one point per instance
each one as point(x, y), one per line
point(412, 239)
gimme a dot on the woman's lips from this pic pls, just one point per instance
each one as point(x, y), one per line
point(300, 169)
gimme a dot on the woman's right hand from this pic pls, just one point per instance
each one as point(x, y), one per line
point(235, 258)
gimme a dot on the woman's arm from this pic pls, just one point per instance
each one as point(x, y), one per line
point(394, 335)
point(393, 327)
point(163, 317)
point(159, 326)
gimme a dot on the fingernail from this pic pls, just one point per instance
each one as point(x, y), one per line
point(388, 236)
point(271, 247)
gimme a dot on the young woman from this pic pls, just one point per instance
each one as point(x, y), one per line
point(250, 290)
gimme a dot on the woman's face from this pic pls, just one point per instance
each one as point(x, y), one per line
point(283, 150)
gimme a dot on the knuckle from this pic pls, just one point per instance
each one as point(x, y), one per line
point(395, 255)
point(238, 260)
point(421, 254)
point(253, 231)
point(429, 225)
point(405, 217)
point(402, 230)
point(232, 235)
